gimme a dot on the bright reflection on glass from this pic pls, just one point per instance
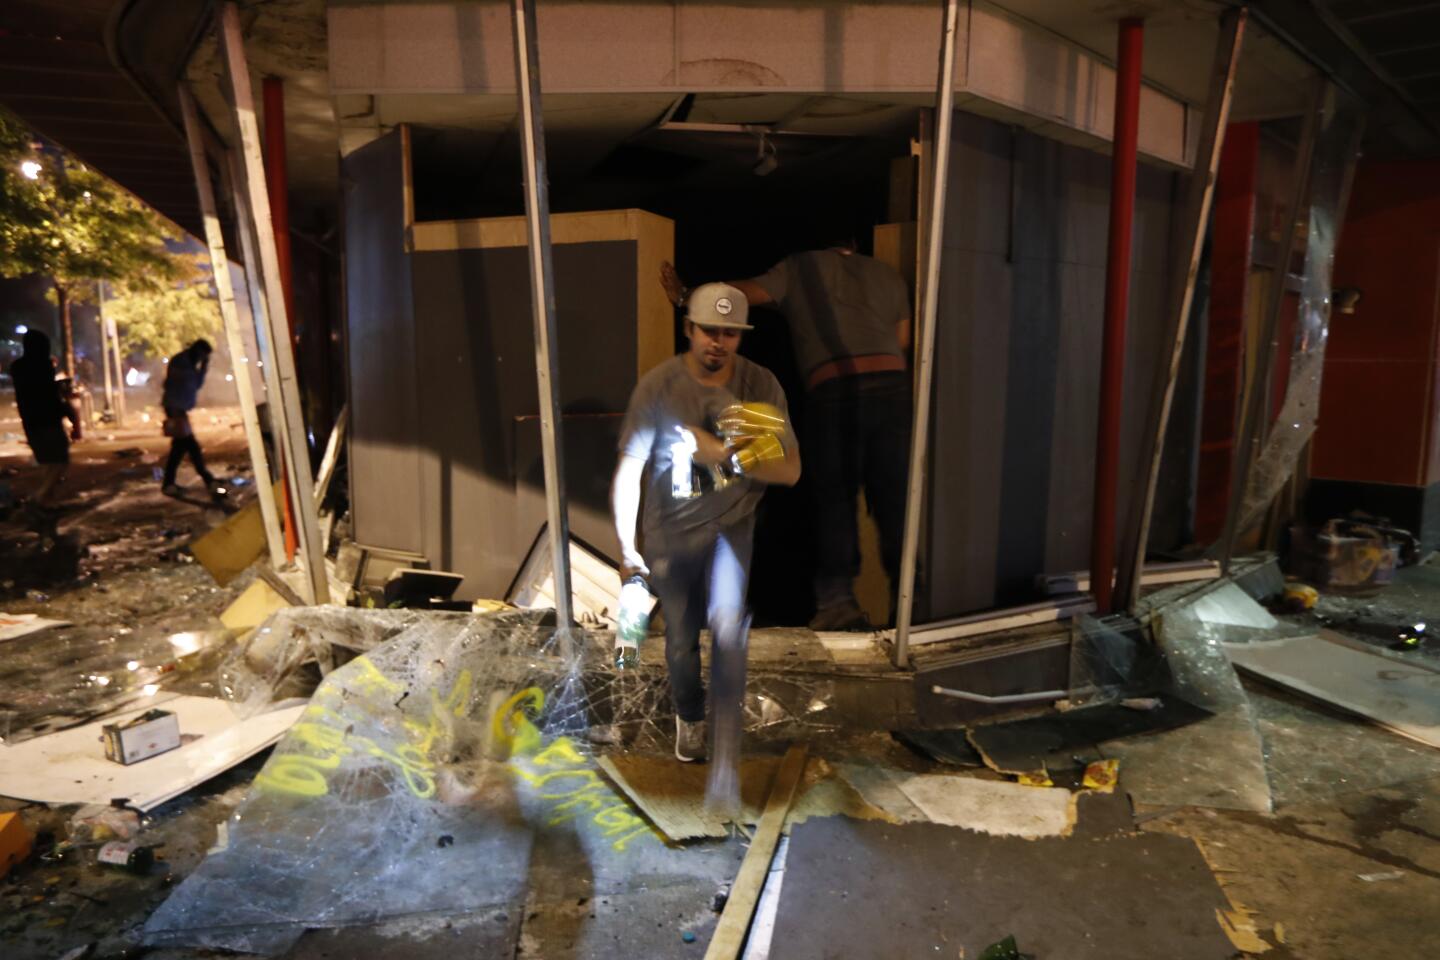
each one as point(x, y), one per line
point(185, 643)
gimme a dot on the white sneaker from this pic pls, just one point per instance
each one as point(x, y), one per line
point(689, 741)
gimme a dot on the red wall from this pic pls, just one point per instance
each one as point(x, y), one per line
point(1379, 397)
point(1231, 244)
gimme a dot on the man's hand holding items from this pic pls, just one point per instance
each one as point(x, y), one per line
point(753, 433)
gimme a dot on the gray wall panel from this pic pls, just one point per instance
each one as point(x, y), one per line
point(384, 462)
point(1018, 360)
point(476, 363)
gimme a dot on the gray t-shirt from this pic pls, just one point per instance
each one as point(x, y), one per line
point(665, 399)
point(838, 305)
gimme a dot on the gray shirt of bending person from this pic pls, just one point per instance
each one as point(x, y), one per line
point(838, 305)
point(665, 399)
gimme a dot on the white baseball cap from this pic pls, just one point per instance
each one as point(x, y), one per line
point(718, 305)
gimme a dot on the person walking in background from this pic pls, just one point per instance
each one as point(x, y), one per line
point(184, 376)
point(42, 410)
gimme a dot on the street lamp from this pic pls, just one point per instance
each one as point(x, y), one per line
point(30, 169)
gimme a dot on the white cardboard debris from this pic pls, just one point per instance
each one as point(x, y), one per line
point(70, 766)
point(992, 806)
point(16, 625)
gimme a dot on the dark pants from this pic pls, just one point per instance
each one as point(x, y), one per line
point(857, 433)
point(705, 585)
point(180, 446)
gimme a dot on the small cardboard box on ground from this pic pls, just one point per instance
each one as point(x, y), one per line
point(15, 841)
point(147, 735)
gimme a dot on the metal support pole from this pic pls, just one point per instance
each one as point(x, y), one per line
point(254, 284)
point(1253, 415)
point(119, 372)
point(105, 349)
point(307, 527)
point(1201, 193)
point(1117, 306)
point(920, 435)
point(220, 267)
point(542, 303)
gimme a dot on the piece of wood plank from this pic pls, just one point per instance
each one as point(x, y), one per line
point(589, 227)
point(285, 403)
point(1156, 574)
point(994, 621)
point(331, 458)
point(730, 932)
point(1401, 697)
point(230, 317)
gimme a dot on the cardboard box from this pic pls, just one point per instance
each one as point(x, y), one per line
point(15, 841)
point(147, 735)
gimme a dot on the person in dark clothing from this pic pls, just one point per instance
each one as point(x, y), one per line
point(183, 379)
point(849, 320)
point(42, 408)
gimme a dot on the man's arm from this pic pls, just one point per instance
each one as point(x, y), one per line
point(625, 505)
point(675, 289)
point(785, 473)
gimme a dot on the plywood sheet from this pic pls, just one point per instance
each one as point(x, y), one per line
point(864, 890)
point(70, 766)
point(672, 794)
point(1403, 697)
point(228, 550)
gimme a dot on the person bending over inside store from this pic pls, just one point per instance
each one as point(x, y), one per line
point(184, 376)
point(42, 410)
point(849, 319)
point(703, 435)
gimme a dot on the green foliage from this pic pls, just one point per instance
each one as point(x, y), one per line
point(74, 226)
point(162, 322)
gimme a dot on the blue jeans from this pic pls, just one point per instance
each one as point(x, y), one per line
point(700, 586)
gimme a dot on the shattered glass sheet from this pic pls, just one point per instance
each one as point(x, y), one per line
point(1218, 762)
point(1314, 754)
point(69, 676)
point(426, 774)
point(271, 665)
point(1109, 660)
point(1295, 423)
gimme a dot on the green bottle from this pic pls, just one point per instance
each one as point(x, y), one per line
point(633, 623)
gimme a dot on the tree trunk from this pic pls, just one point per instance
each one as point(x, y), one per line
point(67, 333)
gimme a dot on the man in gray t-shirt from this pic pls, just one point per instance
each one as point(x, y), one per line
point(704, 433)
point(849, 319)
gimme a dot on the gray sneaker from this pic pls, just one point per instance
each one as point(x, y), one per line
point(689, 741)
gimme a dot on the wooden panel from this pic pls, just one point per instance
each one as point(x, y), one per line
point(654, 315)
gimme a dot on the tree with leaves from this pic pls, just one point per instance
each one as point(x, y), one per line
point(61, 220)
point(163, 321)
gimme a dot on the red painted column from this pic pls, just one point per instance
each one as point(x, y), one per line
point(1117, 304)
point(277, 181)
point(1232, 238)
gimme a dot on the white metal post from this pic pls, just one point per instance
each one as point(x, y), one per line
point(105, 349)
point(542, 302)
point(285, 403)
point(920, 435)
point(220, 267)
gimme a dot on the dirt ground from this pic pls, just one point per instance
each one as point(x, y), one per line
point(1347, 865)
